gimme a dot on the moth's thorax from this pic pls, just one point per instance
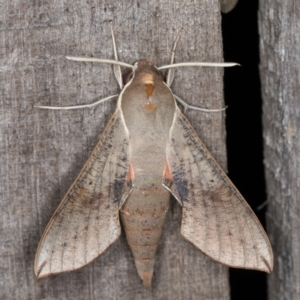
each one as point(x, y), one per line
point(148, 108)
point(147, 92)
point(147, 103)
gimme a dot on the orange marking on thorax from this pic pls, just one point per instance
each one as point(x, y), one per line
point(149, 89)
point(148, 80)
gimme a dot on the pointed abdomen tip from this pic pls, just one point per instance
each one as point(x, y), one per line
point(147, 279)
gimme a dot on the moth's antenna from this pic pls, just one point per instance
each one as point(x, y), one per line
point(199, 64)
point(117, 68)
point(101, 60)
point(77, 106)
point(170, 75)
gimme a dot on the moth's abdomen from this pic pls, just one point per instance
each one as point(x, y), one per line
point(143, 216)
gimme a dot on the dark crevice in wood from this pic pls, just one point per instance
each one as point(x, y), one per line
point(244, 128)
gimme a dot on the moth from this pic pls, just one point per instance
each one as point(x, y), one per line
point(148, 152)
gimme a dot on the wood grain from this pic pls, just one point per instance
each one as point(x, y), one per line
point(279, 24)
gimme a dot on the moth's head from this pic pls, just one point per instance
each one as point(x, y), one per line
point(143, 71)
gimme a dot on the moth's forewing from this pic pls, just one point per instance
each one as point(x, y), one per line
point(87, 219)
point(215, 216)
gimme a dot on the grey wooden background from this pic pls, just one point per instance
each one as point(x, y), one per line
point(41, 152)
point(279, 23)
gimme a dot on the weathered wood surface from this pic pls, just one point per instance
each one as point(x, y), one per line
point(280, 64)
point(41, 152)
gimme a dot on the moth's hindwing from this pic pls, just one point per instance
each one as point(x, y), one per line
point(215, 216)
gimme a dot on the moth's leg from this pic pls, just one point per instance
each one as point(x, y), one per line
point(187, 106)
point(77, 106)
point(170, 75)
point(117, 69)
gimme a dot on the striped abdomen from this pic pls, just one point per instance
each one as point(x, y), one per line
point(143, 216)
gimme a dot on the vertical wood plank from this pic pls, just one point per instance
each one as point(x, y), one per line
point(41, 152)
point(279, 23)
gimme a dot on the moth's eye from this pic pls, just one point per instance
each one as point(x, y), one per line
point(128, 76)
